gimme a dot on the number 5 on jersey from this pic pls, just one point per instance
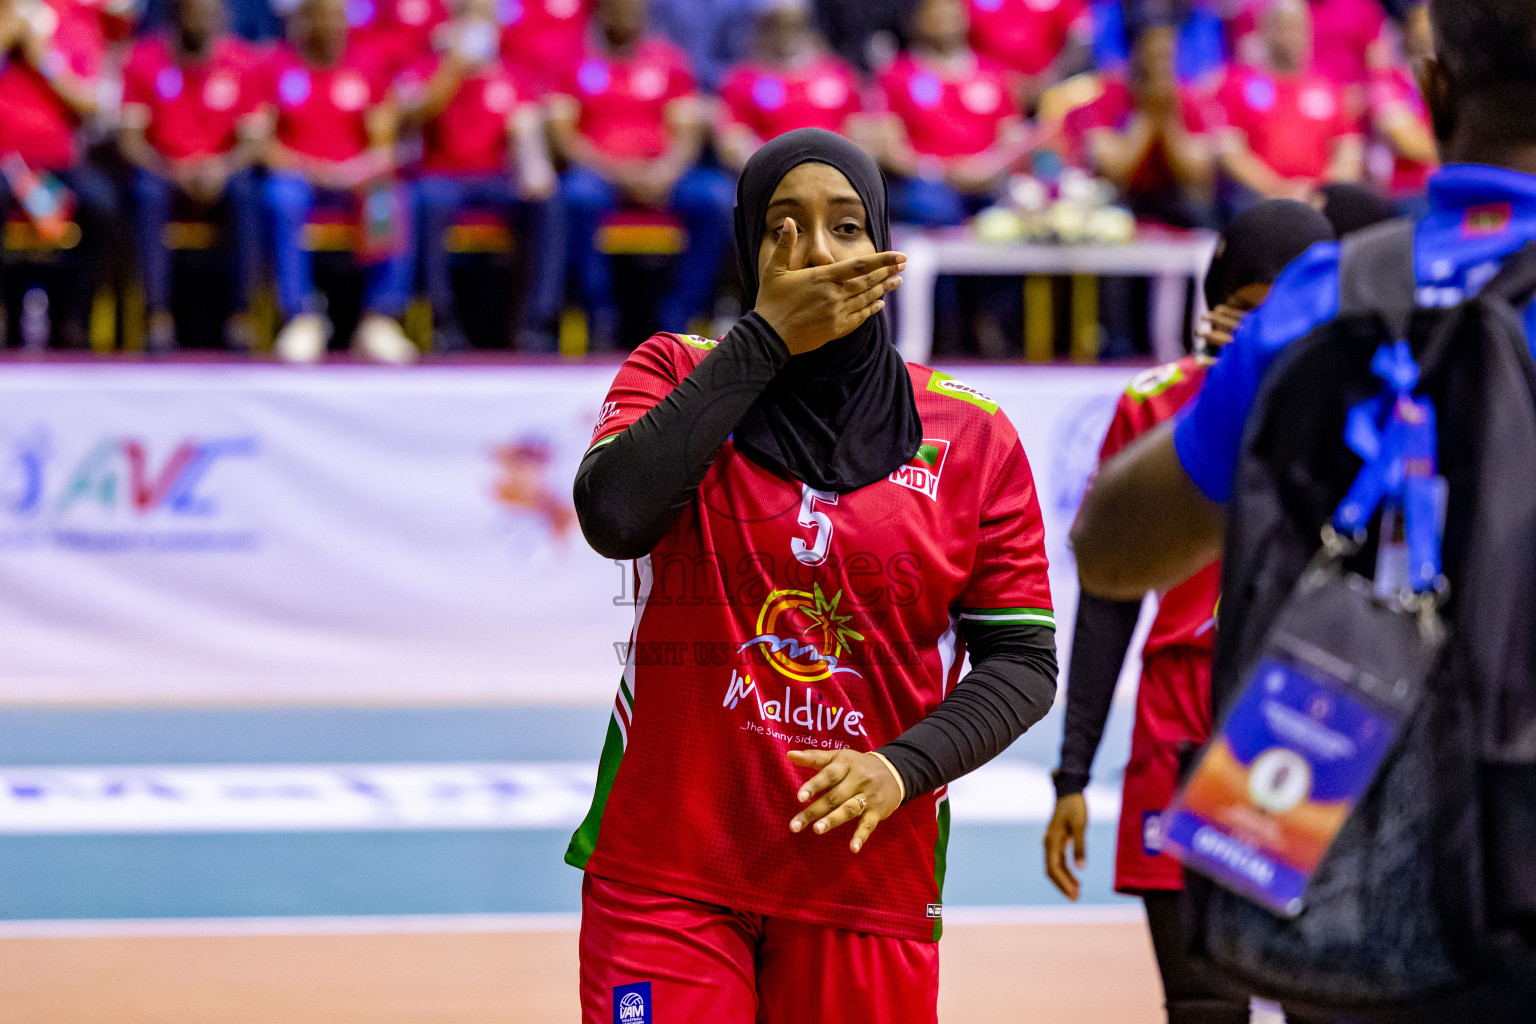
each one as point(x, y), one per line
point(815, 552)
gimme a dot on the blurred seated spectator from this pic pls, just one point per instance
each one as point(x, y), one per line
point(49, 62)
point(868, 34)
point(192, 127)
point(792, 81)
point(1147, 134)
point(391, 35)
point(1200, 51)
point(1040, 42)
point(544, 39)
point(1351, 41)
point(630, 122)
point(715, 34)
point(953, 129)
point(1403, 153)
point(332, 149)
point(483, 149)
point(1286, 130)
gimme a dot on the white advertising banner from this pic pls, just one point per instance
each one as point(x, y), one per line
point(257, 533)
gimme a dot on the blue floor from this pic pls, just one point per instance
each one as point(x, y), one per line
point(419, 872)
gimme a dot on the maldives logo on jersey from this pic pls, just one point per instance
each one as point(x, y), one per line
point(803, 707)
point(923, 472)
point(803, 636)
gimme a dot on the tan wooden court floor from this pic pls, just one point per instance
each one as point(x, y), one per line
point(1095, 973)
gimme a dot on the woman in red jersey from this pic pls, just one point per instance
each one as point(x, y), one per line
point(819, 532)
point(1173, 701)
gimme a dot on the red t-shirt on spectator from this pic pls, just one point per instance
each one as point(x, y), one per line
point(470, 135)
point(1395, 88)
point(623, 100)
point(394, 33)
point(322, 112)
point(1025, 36)
point(1113, 110)
point(1343, 31)
point(948, 117)
point(545, 39)
point(34, 121)
point(770, 101)
point(194, 108)
point(1290, 121)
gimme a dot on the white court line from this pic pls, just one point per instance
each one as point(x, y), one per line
point(446, 924)
point(201, 798)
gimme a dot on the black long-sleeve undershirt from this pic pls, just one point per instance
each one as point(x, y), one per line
point(1010, 687)
point(1100, 640)
point(631, 491)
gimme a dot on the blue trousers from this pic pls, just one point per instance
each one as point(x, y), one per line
point(154, 198)
point(702, 199)
point(441, 197)
point(290, 200)
point(932, 204)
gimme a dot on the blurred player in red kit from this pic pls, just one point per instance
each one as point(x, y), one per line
point(1288, 130)
point(483, 149)
point(51, 56)
point(629, 121)
point(1173, 702)
point(193, 127)
point(333, 146)
point(1040, 42)
point(792, 81)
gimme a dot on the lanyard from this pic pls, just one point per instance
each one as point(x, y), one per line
point(1395, 435)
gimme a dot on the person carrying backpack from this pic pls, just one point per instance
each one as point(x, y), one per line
point(1398, 359)
point(1173, 701)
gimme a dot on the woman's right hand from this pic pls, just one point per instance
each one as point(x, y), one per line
point(810, 306)
point(1069, 826)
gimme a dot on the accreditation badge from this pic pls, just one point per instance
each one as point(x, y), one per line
point(1341, 673)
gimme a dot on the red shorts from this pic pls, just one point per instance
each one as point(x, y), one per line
point(649, 958)
point(1173, 707)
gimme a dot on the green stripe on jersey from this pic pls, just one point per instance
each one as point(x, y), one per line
point(1011, 616)
point(940, 862)
point(585, 840)
point(607, 440)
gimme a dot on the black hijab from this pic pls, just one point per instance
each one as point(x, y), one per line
point(843, 416)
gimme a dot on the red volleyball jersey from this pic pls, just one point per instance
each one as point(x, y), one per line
point(1113, 110)
point(1027, 35)
point(1291, 122)
point(35, 122)
point(470, 135)
point(770, 102)
point(322, 112)
point(1186, 615)
point(775, 617)
point(544, 38)
point(949, 116)
point(394, 33)
point(190, 108)
point(1173, 700)
point(623, 101)
point(1394, 93)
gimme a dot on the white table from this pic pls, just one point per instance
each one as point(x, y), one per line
point(1169, 260)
